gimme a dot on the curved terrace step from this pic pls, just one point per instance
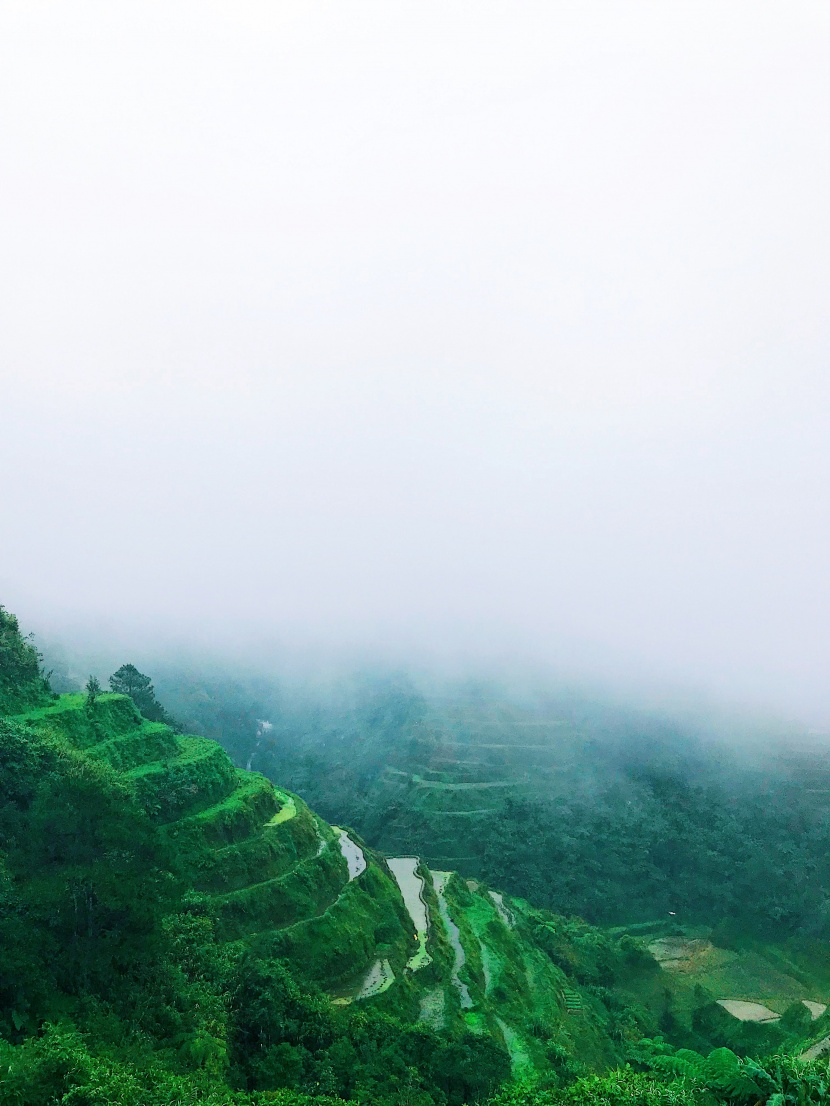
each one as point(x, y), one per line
point(198, 776)
point(307, 890)
point(232, 819)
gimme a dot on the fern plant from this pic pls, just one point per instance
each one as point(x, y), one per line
point(725, 1078)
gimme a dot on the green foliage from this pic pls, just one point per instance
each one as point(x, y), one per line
point(721, 1071)
point(618, 1088)
point(22, 684)
point(93, 690)
point(84, 881)
point(127, 680)
point(285, 1035)
point(693, 1081)
point(724, 1077)
point(65, 1066)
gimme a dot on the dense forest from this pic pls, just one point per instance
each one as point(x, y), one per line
point(180, 930)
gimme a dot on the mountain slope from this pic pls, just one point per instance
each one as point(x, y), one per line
point(579, 805)
point(276, 881)
point(178, 929)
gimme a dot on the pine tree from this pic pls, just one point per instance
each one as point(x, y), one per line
point(127, 680)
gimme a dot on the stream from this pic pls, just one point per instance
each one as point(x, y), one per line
point(253, 754)
point(262, 728)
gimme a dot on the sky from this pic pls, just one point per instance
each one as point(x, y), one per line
point(473, 328)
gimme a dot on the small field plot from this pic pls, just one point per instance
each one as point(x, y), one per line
point(748, 1011)
point(754, 984)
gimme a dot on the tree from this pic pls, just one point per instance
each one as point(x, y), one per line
point(127, 680)
point(22, 682)
point(93, 690)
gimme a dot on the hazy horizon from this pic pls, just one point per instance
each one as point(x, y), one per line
point(448, 331)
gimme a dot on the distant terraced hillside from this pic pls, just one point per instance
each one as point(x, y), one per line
point(434, 781)
point(478, 761)
point(580, 805)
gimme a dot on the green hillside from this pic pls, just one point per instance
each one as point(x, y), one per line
point(577, 804)
point(274, 880)
point(176, 930)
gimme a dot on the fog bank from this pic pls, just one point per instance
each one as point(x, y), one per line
point(423, 330)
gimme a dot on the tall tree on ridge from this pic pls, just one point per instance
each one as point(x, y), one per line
point(127, 680)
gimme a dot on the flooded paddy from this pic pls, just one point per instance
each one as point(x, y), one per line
point(287, 811)
point(378, 978)
point(405, 871)
point(440, 880)
point(748, 1011)
point(352, 853)
point(680, 954)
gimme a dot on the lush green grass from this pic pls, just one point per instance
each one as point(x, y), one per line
point(262, 856)
point(367, 921)
point(305, 891)
point(151, 742)
point(196, 778)
point(233, 818)
point(69, 718)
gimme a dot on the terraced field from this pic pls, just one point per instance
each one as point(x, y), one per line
point(749, 994)
point(282, 881)
point(275, 874)
point(477, 759)
point(420, 943)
